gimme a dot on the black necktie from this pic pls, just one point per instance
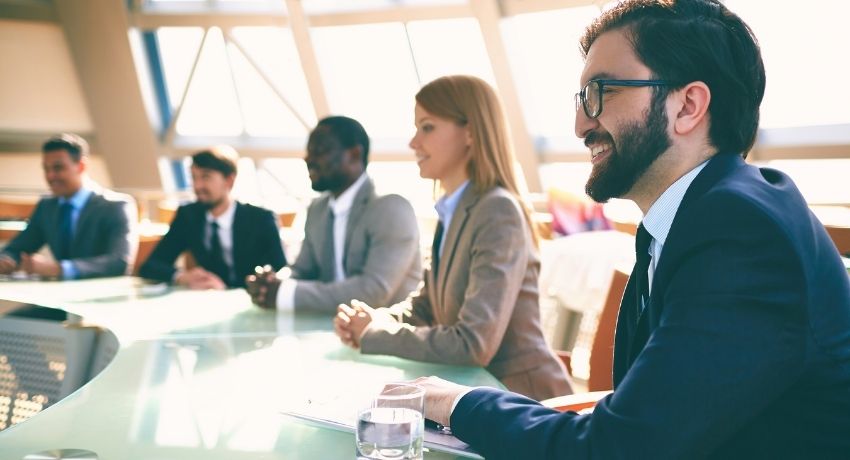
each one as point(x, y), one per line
point(328, 268)
point(217, 263)
point(435, 248)
point(641, 273)
point(66, 231)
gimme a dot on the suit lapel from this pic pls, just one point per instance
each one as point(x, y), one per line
point(633, 332)
point(198, 236)
point(86, 216)
point(451, 236)
point(52, 229)
point(236, 231)
point(323, 208)
point(358, 208)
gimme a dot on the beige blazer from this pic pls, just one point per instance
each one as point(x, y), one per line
point(482, 307)
point(382, 264)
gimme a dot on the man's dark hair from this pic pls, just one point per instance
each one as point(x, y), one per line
point(76, 146)
point(683, 41)
point(222, 158)
point(349, 132)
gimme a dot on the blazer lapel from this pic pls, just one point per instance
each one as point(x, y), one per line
point(85, 219)
point(198, 236)
point(451, 236)
point(633, 332)
point(54, 221)
point(358, 208)
point(236, 245)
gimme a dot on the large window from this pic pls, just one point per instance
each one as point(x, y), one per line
point(547, 65)
point(366, 59)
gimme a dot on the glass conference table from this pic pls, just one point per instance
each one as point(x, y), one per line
point(203, 375)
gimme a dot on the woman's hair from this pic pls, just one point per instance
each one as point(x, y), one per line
point(471, 102)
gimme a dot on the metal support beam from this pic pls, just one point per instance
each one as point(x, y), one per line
point(488, 15)
point(97, 37)
point(307, 55)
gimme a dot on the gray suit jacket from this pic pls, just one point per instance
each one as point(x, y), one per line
point(482, 307)
point(105, 239)
point(381, 261)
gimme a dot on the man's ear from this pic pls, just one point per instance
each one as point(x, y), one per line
point(230, 180)
point(355, 154)
point(83, 164)
point(691, 106)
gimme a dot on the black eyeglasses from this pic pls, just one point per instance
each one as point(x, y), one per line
point(590, 97)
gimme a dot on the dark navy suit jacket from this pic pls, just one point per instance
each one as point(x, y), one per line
point(742, 352)
point(256, 241)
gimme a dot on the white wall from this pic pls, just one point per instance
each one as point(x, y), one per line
point(39, 87)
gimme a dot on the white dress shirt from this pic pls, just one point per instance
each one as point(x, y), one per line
point(659, 218)
point(341, 207)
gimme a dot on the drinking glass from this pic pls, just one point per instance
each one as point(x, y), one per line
point(393, 426)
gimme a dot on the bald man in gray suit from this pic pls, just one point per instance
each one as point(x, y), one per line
point(357, 245)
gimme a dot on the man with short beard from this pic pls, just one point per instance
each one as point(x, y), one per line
point(357, 245)
point(226, 238)
point(733, 336)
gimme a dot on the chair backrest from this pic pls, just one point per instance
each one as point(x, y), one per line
point(146, 245)
point(840, 237)
point(602, 351)
point(18, 210)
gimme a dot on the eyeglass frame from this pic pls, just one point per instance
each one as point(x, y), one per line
point(581, 96)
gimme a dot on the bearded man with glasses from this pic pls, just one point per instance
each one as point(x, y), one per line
point(733, 336)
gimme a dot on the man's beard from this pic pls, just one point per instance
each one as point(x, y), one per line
point(639, 146)
point(331, 182)
point(209, 203)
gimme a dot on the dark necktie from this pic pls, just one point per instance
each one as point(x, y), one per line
point(217, 263)
point(66, 231)
point(435, 248)
point(641, 273)
point(328, 268)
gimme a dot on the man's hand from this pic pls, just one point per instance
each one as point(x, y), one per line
point(199, 279)
point(439, 396)
point(37, 264)
point(262, 286)
point(7, 265)
point(350, 321)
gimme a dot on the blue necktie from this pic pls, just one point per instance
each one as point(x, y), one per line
point(66, 231)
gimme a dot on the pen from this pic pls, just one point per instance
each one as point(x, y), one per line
point(437, 426)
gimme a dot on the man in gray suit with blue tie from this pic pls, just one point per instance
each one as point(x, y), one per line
point(357, 245)
point(90, 230)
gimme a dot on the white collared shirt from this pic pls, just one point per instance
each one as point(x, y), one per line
point(341, 207)
point(225, 233)
point(659, 218)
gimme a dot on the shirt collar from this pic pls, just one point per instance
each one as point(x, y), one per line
point(447, 204)
point(342, 203)
point(225, 220)
point(659, 218)
point(79, 199)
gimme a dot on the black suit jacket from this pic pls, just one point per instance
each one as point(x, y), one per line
point(742, 352)
point(105, 239)
point(255, 242)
